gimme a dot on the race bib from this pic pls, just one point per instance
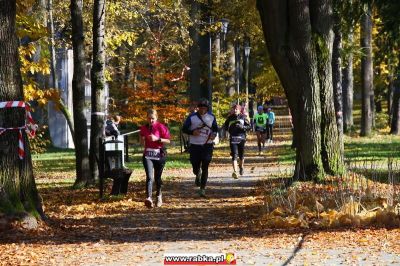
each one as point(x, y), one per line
point(204, 132)
point(236, 139)
point(152, 154)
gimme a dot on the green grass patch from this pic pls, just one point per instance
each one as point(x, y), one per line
point(55, 160)
point(378, 148)
point(63, 160)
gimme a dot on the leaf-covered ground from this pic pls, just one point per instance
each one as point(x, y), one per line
point(82, 230)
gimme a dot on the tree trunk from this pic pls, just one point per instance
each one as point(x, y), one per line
point(390, 94)
point(299, 40)
point(98, 86)
point(53, 72)
point(321, 14)
point(194, 90)
point(337, 76)
point(127, 71)
point(217, 51)
point(237, 67)
point(347, 88)
point(366, 73)
point(18, 191)
point(230, 69)
point(78, 91)
point(395, 123)
point(287, 30)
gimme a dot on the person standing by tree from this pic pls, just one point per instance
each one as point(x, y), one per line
point(153, 136)
point(202, 129)
point(111, 128)
point(270, 124)
point(260, 121)
point(237, 124)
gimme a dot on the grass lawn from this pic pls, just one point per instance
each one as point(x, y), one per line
point(380, 147)
point(63, 160)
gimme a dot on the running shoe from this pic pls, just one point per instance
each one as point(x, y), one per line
point(234, 175)
point(198, 178)
point(159, 201)
point(241, 170)
point(148, 202)
point(202, 193)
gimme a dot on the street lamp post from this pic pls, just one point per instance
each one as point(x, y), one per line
point(247, 55)
point(224, 26)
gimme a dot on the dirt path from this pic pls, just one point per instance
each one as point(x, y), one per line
point(124, 232)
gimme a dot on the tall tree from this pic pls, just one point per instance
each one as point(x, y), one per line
point(98, 85)
point(299, 39)
point(78, 94)
point(194, 51)
point(17, 185)
point(337, 70)
point(347, 86)
point(395, 122)
point(53, 72)
point(388, 12)
point(366, 72)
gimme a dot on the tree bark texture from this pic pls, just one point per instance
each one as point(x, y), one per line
point(337, 77)
point(194, 53)
point(78, 94)
point(18, 191)
point(395, 123)
point(53, 73)
point(98, 86)
point(322, 22)
point(217, 51)
point(230, 68)
point(347, 89)
point(366, 73)
point(300, 51)
point(390, 94)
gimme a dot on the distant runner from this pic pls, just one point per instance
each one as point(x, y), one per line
point(237, 124)
point(260, 121)
point(270, 124)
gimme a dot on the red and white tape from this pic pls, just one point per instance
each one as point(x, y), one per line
point(30, 127)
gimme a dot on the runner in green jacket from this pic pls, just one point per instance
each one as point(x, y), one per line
point(260, 122)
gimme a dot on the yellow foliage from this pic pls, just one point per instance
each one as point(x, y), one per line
point(367, 218)
point(351, 208)
point(278, 212)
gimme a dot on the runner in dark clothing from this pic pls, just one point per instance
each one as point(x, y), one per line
point(237, 124)
point(202, 129)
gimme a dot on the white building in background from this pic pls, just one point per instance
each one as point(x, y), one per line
point(59, 130)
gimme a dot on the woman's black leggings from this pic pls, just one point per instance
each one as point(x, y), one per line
point(200, 157)
point(237, 150)
point(154, 169)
